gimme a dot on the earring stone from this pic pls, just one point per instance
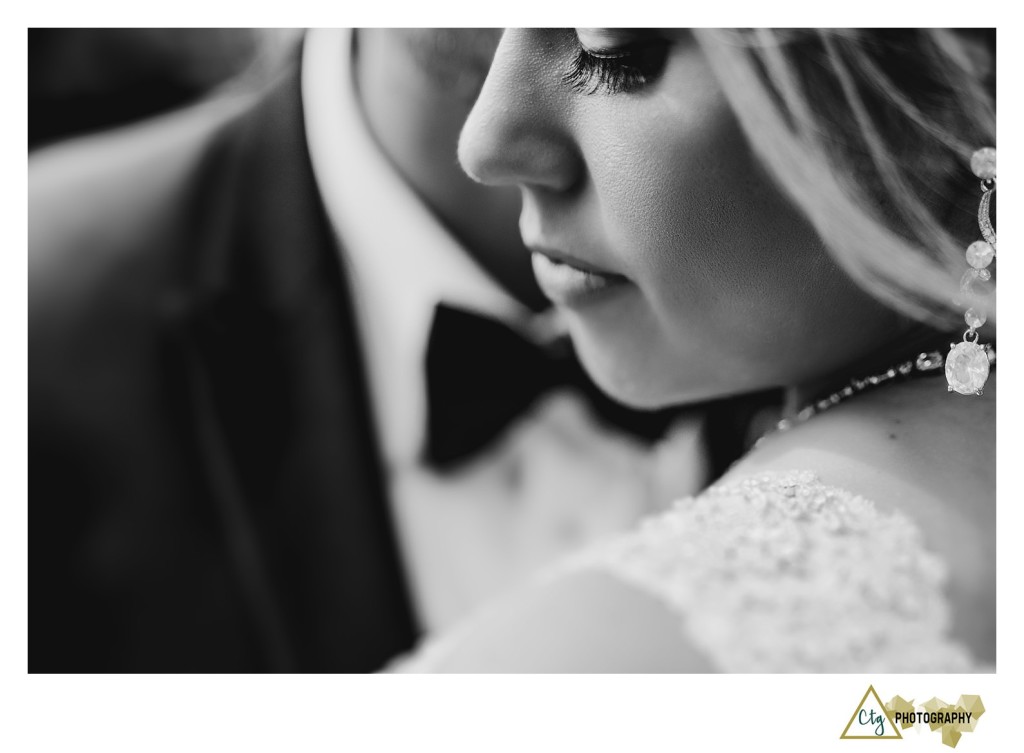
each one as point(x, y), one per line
point(967, 368)
point(983, 163)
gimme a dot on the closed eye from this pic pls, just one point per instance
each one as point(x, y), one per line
point(621, 68)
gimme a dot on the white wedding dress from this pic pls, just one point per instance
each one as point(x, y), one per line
point(779, 573)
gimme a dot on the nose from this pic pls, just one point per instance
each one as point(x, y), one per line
point(518, 130)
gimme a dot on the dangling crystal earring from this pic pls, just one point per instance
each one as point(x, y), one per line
point(968, 362)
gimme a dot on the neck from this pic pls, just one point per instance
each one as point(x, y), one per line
point(917, 340)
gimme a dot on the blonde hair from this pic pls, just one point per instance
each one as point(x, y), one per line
point(870, 132)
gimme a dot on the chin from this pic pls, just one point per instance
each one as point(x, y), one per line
point(634, 376)
point(637, 367)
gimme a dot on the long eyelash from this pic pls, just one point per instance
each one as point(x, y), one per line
point(626, 68)
point(589, 73)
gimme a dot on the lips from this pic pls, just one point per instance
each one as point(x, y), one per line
point(570, 282)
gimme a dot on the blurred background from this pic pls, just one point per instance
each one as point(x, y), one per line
point(84, 80)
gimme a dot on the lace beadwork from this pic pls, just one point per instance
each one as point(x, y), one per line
point(780, 573)
point(776, 573)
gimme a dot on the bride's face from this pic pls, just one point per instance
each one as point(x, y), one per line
point(685, 274)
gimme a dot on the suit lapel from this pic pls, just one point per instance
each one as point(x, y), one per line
point(281, 410)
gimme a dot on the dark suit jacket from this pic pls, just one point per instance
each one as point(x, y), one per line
point(205, 488)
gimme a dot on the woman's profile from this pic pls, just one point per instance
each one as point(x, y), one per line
point(723, 212)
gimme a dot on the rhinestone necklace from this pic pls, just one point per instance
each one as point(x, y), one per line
point(925, 364)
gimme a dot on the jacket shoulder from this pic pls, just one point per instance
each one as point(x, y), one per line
point(113, 218)
point(99, 202)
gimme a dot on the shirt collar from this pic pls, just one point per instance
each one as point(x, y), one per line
point(401, 260)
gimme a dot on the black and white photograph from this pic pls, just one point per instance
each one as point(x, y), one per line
point(457, 350)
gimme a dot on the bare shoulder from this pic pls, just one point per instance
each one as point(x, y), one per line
point(927, 453)
point(906, 441)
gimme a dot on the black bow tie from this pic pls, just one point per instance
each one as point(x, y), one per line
point(481, 375)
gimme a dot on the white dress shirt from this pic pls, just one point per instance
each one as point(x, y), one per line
point(557, 479)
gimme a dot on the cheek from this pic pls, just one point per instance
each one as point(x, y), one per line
point(732, 277)
point(736, 290)
point(697, 222)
